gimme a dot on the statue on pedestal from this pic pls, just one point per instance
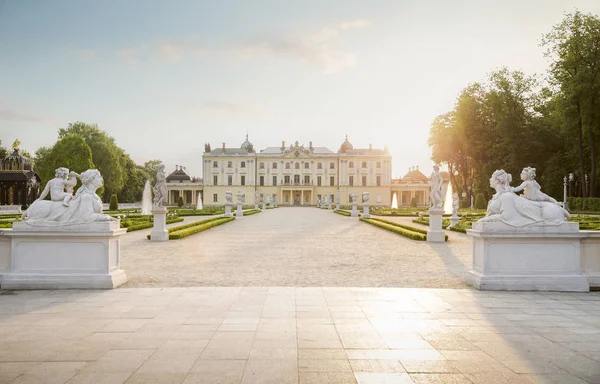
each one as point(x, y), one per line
point(160, 188)
point(531, 189)
point(61, 187)
point(436, 189)
point(516, 211)
point(83, 208)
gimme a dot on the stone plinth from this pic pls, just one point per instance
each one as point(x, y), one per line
point(435, 233)
point(228, 210)
point(454, 221)
point(159, 230)
point(354, 211)
point(532, 258)
point(63, 257)
point(590, 257)
point(239, 212)
point(366, 214)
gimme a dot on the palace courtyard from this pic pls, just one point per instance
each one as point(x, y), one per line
point(303, 247)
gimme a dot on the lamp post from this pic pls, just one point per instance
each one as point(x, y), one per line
point(565, 204)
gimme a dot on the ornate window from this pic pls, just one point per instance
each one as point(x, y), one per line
point(379, 164)
point(331, 166)
point(306, 165)
point(296, 179)
point(261, 165)
point(306, 179)
point(215, 164)
point(230, 164)
point(297, 166)
point(351, 165)
point(274, 165)
point(287, 165)
point(243, 164)
point(319, 165)
point(364, 164)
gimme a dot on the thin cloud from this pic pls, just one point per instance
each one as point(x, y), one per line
point(319, 48)
point(20, 116)
point(229, 109)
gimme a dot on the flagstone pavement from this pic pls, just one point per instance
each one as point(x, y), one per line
point(298, 335)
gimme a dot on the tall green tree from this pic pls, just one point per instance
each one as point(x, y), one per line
point(574, 48)
point(71, 152)
point(3, 151)
point(107, 156)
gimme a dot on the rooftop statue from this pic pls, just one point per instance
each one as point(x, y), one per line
point(508, 208)
point(84, 208)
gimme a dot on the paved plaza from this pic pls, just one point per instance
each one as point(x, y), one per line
point(298, 335)
point(296, 247)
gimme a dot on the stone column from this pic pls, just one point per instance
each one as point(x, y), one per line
point(228, 204)
point(366, 214)
point(159, 230)
point(337, 200)
point(435, 233)
point(240, 197)
point(302, 197)
point(354, 212)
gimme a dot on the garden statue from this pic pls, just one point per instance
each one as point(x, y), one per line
point(516, 211)
point(56, 187)
point(228, 197)
point(207, 147)
point(455, 204)
point(83, 208)
point(531, 189)
point(436, 189)
point(160, 188)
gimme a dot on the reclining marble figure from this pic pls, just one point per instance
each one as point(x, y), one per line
point(85, 206)
point(516, 211)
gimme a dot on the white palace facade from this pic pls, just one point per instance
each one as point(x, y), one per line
point(297, 175)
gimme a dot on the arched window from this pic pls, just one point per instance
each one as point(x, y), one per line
point(297, 166)
point(331, 166)
point(230, 164)
point(215, 164)
point(243, 164)
point(351, 165)
point(319, 165)
point(274, 165)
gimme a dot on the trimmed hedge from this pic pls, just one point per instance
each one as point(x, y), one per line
point(198, 228)
point(340, 212)
point(590, 204)
point(250, 212)
point(407, 227)
point(7, 224)
point(149, 224)
point(401, 231)
point(114, 203)
point(193, 224)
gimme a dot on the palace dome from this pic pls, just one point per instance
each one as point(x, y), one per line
point(246, 144)
point(346, 145)
point(16, 162)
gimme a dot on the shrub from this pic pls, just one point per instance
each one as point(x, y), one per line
point(480, 202)
point(114, 203)
point(180, 202)
point(198, 228)
point(399, 230)
point(149, 224)
point(250, 212)
point(340, 212)
point(413, 202)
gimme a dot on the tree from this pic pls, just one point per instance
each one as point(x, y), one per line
point(114, 203)
point(135, 177)
point(107, 156)
point(480, 202)
point(180, 202)
point(3, 151)
point(70, 152)
point(574, 48)
point(151, 167)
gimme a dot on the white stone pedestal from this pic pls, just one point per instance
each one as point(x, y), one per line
point(453, 221)
point(264, 206)
point(63, 257)
point(435, 233)
point(354, 212)
point(337, 206)
point(159, 230)
point(366, 214)
point(532, 258)
point(228, 210)
point(256, 206)
point(239, 212)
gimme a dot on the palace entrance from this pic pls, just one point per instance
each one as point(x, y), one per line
point(296, 197)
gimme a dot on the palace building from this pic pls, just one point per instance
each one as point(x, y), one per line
point(296, 175)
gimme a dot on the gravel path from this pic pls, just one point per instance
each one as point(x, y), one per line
point(295, 247)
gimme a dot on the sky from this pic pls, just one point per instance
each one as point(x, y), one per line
point(165, 77)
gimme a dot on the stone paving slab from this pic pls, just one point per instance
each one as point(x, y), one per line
point(298, 335)
point(296, 247)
